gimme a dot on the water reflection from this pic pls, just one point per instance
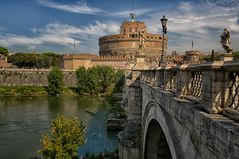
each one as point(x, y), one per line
point(24, 119)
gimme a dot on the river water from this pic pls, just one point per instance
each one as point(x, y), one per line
point(23, 120)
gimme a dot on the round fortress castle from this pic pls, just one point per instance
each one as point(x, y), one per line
point(117, 50)
point(132, 37)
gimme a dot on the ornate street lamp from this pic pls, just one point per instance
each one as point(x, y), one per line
point(164, 25)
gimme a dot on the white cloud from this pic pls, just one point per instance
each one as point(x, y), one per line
point(64, 35)
point(138, 12)
point(32, 42)
point(82, 7)
point(203, 22)
point(79, 7)
point(185, 6)
point(234, 26)
point(96, 29)
point(226, 4)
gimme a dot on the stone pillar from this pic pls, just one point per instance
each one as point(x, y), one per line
point(135, 97)
point(147, 76)
point(128, 77)
point(140, 60)
point(227, 57)
point(152, 75)
point(168, 76)
point(159, 77)
point(183, 81)
point(134, 103)
point(129, 138)
point(214, 87)
point(142, 76)
point(129, 142)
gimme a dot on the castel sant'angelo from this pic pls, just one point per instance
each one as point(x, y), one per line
point(117, 50)
point(132, 37)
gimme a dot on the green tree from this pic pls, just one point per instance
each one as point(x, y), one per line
point(236, 55)
point(67, 135)
point(98, 80)
point(51, 59)
point(205, 58)
point(3, 51)
point(34, 60)
point(120, 81)
point(25, 60)
point(86, 84)
point(55, 81)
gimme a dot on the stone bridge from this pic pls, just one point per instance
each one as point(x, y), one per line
point(181, 112)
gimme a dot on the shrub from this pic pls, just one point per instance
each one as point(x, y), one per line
point(55, 81)
point(236, 55)
point(3, 51)
point(85, 81)
point(98, 80)
point(67, 135)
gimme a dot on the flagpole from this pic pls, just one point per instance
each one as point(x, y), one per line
point(192, 44)
point(74, 46)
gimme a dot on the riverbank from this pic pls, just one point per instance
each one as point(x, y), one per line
point(32, 91)
point(100, 81)
point(43, 91)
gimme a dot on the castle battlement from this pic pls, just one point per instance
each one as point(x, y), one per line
point(109, 58)
point(74, 61)
point(78, 56)
point(119, 38)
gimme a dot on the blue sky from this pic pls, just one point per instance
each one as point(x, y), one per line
point(54, 25)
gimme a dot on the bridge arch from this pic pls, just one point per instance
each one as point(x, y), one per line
point(156, 145)
point(158, 137)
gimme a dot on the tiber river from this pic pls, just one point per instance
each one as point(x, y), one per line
point(23, 120)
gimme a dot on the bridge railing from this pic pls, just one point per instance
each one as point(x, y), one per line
point(195, 86)
point(215, 85)
point(233, 101)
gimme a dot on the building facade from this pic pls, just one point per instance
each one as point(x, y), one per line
point(74, 61)
point(4, 63)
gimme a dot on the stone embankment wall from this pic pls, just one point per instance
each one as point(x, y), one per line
point(34, 77)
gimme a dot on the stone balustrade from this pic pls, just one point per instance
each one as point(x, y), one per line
point(214, 86)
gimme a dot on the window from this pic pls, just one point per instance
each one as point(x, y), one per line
point(133, 35)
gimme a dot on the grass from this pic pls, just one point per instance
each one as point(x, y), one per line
point(41, 91)
point(23, 91)
point(69, 92)
point(31, 91)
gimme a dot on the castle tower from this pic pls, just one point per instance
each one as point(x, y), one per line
point(130, 40)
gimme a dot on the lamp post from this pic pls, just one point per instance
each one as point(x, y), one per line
point(164, 26)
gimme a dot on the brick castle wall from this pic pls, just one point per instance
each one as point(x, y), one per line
point(74, 61)
point(34, 77)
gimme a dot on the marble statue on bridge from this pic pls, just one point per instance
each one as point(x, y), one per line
point(225, 40)
point(142, 41)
